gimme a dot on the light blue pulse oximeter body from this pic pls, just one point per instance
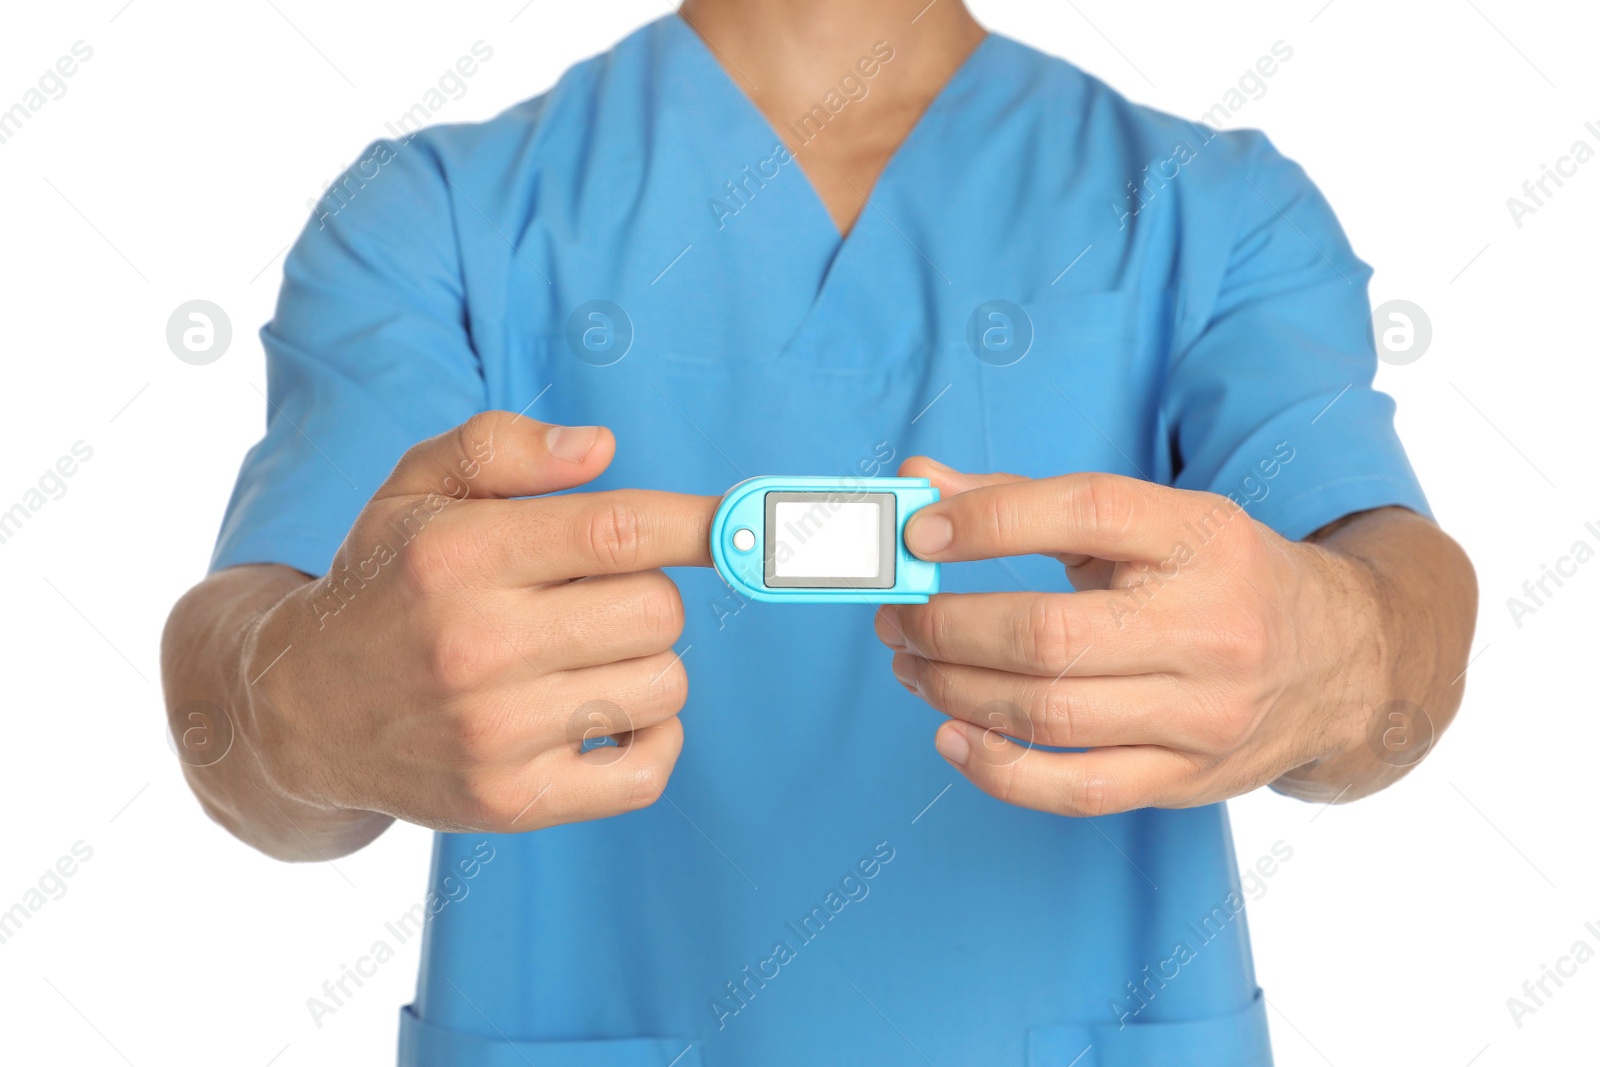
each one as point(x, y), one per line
point(809, 540)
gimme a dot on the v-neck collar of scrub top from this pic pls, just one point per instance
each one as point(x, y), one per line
point(841, 264)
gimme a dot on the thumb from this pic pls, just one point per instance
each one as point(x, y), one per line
point(1085, 572)
point(498, 454)
point(950, 482)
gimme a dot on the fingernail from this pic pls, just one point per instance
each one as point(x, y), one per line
point(952, 745)
point(903, 670)
point(928, 534)
point(571, 443)
point(939, 466)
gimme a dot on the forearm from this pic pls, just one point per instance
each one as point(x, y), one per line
point(210, 657)
point(1417, 600)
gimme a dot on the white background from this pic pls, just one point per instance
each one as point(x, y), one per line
point(179, 165)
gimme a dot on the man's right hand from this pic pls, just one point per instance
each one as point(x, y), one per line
point(450, 665)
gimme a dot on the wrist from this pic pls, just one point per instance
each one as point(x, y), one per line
point(300, 788)
point(1354, 671)
point(267, 673)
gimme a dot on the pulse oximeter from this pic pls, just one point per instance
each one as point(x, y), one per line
point(808, 540)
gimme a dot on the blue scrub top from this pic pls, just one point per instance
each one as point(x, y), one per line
point(818, 885)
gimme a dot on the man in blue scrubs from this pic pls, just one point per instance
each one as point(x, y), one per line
point(830, 238)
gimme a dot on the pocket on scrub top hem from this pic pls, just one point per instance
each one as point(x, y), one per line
point(422, 1044)
point(1239, 1039)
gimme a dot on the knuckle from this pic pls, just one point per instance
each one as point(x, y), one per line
point(910, 625)
point(1222, 721)
point(670, 684)
point(460, 658)
point(660, 607)
point(1241, 640)
point(491, 803)
point(932, 686)
point(421, 568)
point(1228, 730)
point(478, 735)
point(435, 563)
point(597, 718)
point(476, 436)
point(420, 455)
point(1010, 776)
point(1056, 712)
point(930, 631)
point(1102, 503)
point(1214, 513)
point(1091, 795)
point(1004, 784)
point(995, 516)
point(1232, 535)
point(646, 783)
point(614, 533)
point(1047, 631)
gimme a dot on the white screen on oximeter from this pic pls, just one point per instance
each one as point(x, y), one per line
point(830, 540)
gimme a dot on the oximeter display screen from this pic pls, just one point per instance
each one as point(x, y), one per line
point(830, 540)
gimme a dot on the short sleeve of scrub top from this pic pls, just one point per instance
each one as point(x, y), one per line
point(1282, 367)
point(1046, 279)
point(367, 354)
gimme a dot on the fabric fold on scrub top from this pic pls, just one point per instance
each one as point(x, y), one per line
point(818, 885)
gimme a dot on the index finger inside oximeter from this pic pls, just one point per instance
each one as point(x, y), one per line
point(813, 540)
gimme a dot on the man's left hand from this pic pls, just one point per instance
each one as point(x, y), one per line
point(1201, 656)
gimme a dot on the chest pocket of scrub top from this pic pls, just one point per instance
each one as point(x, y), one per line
point(813, 409)
point(1082, 398)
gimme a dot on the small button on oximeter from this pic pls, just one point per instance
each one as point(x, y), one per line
point(811, 540)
